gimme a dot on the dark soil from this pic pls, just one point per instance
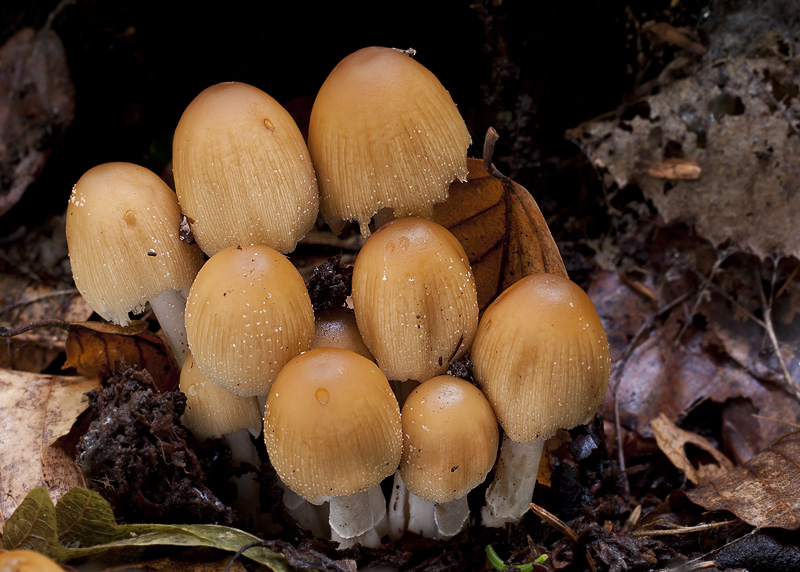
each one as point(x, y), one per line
point(137, 454)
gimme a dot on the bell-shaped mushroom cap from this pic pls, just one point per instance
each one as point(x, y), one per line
point(450, 438)
point(248, 313)
point(211, 410)
point(242, 170)
point(336, 328)
point(415, 299)
point(332, 424)
point(384, 132)
point(122, 231)
point(541, 357)
point(23, 560)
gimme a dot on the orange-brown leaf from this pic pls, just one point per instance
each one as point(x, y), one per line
point(95, 349)
point(764, 491)
point(501, 229)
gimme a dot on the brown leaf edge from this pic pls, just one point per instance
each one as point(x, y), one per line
point(672, 441)
point(551, 261)
point(522, 246)
point(96, 349)
point(764, 491)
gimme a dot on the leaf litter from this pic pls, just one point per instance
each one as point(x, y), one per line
point(700, 315)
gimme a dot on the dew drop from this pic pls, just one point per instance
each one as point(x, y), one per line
point(322, 395)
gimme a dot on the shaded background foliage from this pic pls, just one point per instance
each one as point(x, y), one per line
point(530, 69)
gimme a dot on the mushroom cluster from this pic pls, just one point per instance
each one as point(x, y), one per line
point(354, 395)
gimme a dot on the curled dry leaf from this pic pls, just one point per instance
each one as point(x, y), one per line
point(95, 349)
point(764, 491)
point(35, 411)
point(501, 229)
point(672, 440)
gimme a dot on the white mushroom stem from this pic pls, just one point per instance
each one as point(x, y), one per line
point(509, 496)
point(409, 512)
point(359, 518)
point(243, 451)
point(451, 517)
point(169, 308)
point(313, 518)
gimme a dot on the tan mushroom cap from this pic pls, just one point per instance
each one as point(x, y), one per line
point(415, 299)
point(248, 313)
point(24, 560)
point(211, 410)
point(123, 236)
point(332, 424)
point(384, 132)
point(336, 328)
point(242, 170)
point(541, 357)
point(450, 438)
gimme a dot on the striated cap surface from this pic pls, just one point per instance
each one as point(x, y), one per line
point(248, 313)
point(123, 236)
point(385, 133)
point(415, 298)
point(242, 171)
point(541, 357)
point(332, 424)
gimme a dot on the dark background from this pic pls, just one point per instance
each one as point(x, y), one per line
point(531, 69)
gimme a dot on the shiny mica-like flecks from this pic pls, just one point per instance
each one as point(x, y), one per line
point(450, 439)
point(332, 424)
point(248, 313)
point(541, 356)
point(122, 233)
point(385, 133)
point(242, 171)
point(415, 299)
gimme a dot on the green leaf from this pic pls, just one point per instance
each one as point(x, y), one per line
point(33, 525)
point(85, 519)
point(83, 525)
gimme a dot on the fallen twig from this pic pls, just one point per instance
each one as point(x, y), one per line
point(620, 367)
point(722, 255)
point(766, 305)
point(563, 528)
point(33, 300)
point(685, 529)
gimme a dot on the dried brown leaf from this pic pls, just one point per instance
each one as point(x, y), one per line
point(22, 300)
point(35, 411)
point(501, 229)
point(745, 191)
point(664, 32)
point(662, 376)
point(96, 349)
point(37, 104)
point(674, 169)
point(764, 491)
point(672, 441)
